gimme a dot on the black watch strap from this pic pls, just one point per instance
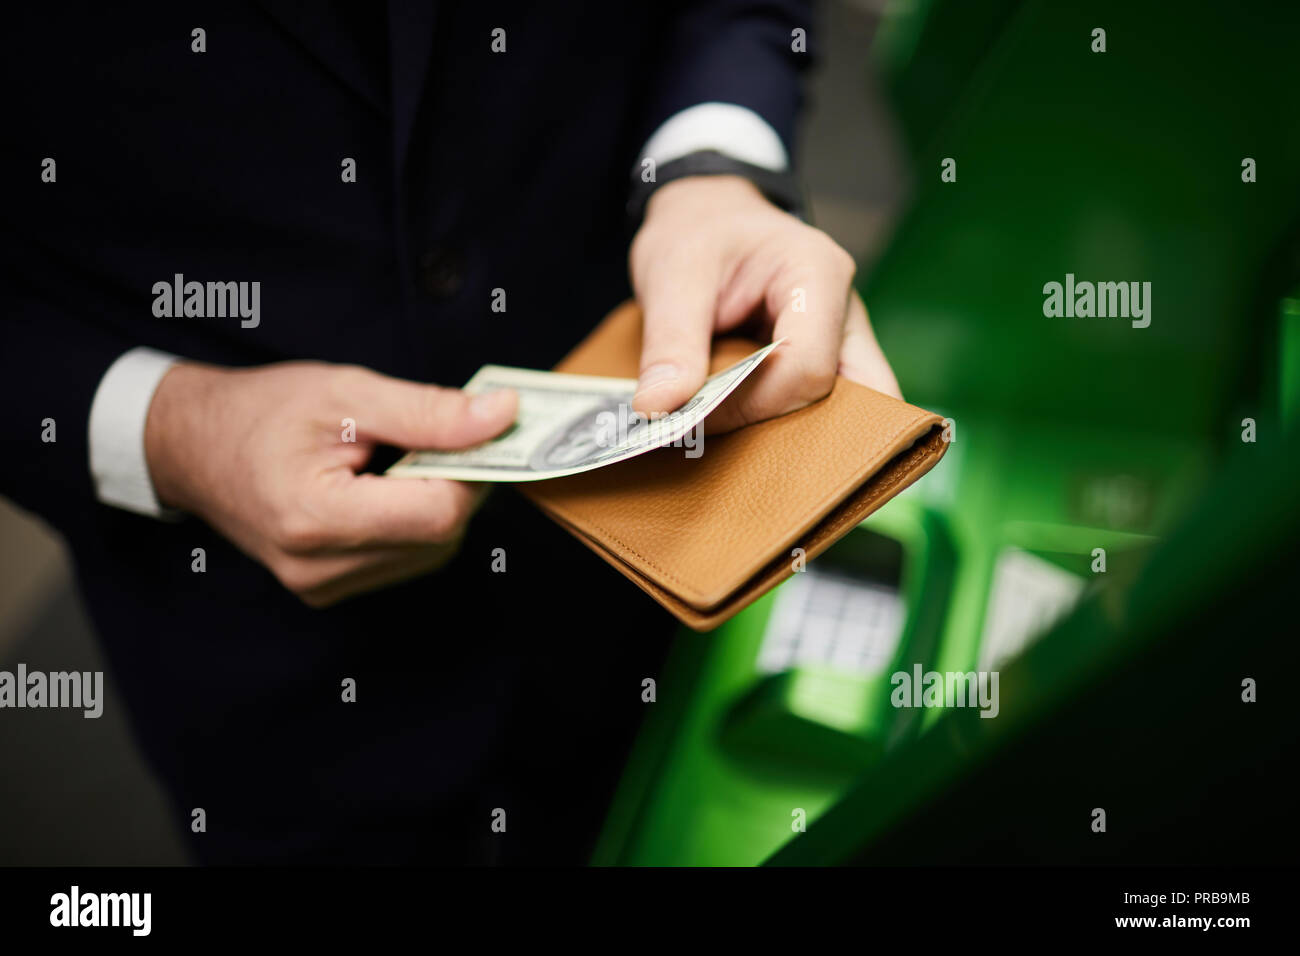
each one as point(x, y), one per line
point(780, 188)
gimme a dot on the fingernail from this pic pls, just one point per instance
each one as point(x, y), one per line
point(490, 405)
point(656, 375)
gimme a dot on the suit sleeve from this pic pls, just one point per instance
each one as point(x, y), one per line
point(50, 367)
point(741, 52)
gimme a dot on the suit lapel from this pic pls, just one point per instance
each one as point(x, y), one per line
point(336, 37)
point(410, 41)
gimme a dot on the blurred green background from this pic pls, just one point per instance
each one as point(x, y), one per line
point(1078, 440)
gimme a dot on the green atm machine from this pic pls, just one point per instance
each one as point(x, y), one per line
point(1104, 470)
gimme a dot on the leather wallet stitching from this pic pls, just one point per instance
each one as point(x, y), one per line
point(682, 585)
point(829, 530)
point(831, 525)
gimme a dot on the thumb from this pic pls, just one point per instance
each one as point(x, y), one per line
point(410, 415)
point(679, 309)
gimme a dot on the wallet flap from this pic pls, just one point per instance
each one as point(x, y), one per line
point(881, 487)
point(707, 535)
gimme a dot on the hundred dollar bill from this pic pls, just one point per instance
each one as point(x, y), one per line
point(569, 424)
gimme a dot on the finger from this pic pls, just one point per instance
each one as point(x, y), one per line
point(679, 306)
point(351, 512)
point(861, 358)
point(411, 415)
point(811, 306)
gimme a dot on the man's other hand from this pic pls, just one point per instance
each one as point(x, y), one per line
point(264, 456)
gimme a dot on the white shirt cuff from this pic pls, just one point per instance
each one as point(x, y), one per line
point(729, 129)
point(117, 418)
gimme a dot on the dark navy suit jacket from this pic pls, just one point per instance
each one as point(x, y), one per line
point(475, 170)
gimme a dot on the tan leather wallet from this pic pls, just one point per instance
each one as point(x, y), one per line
point(707, 536)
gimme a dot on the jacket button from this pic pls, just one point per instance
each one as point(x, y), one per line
point(442, 271)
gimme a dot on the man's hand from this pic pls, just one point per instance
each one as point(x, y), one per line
point(260, 455)
point(713, 253)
